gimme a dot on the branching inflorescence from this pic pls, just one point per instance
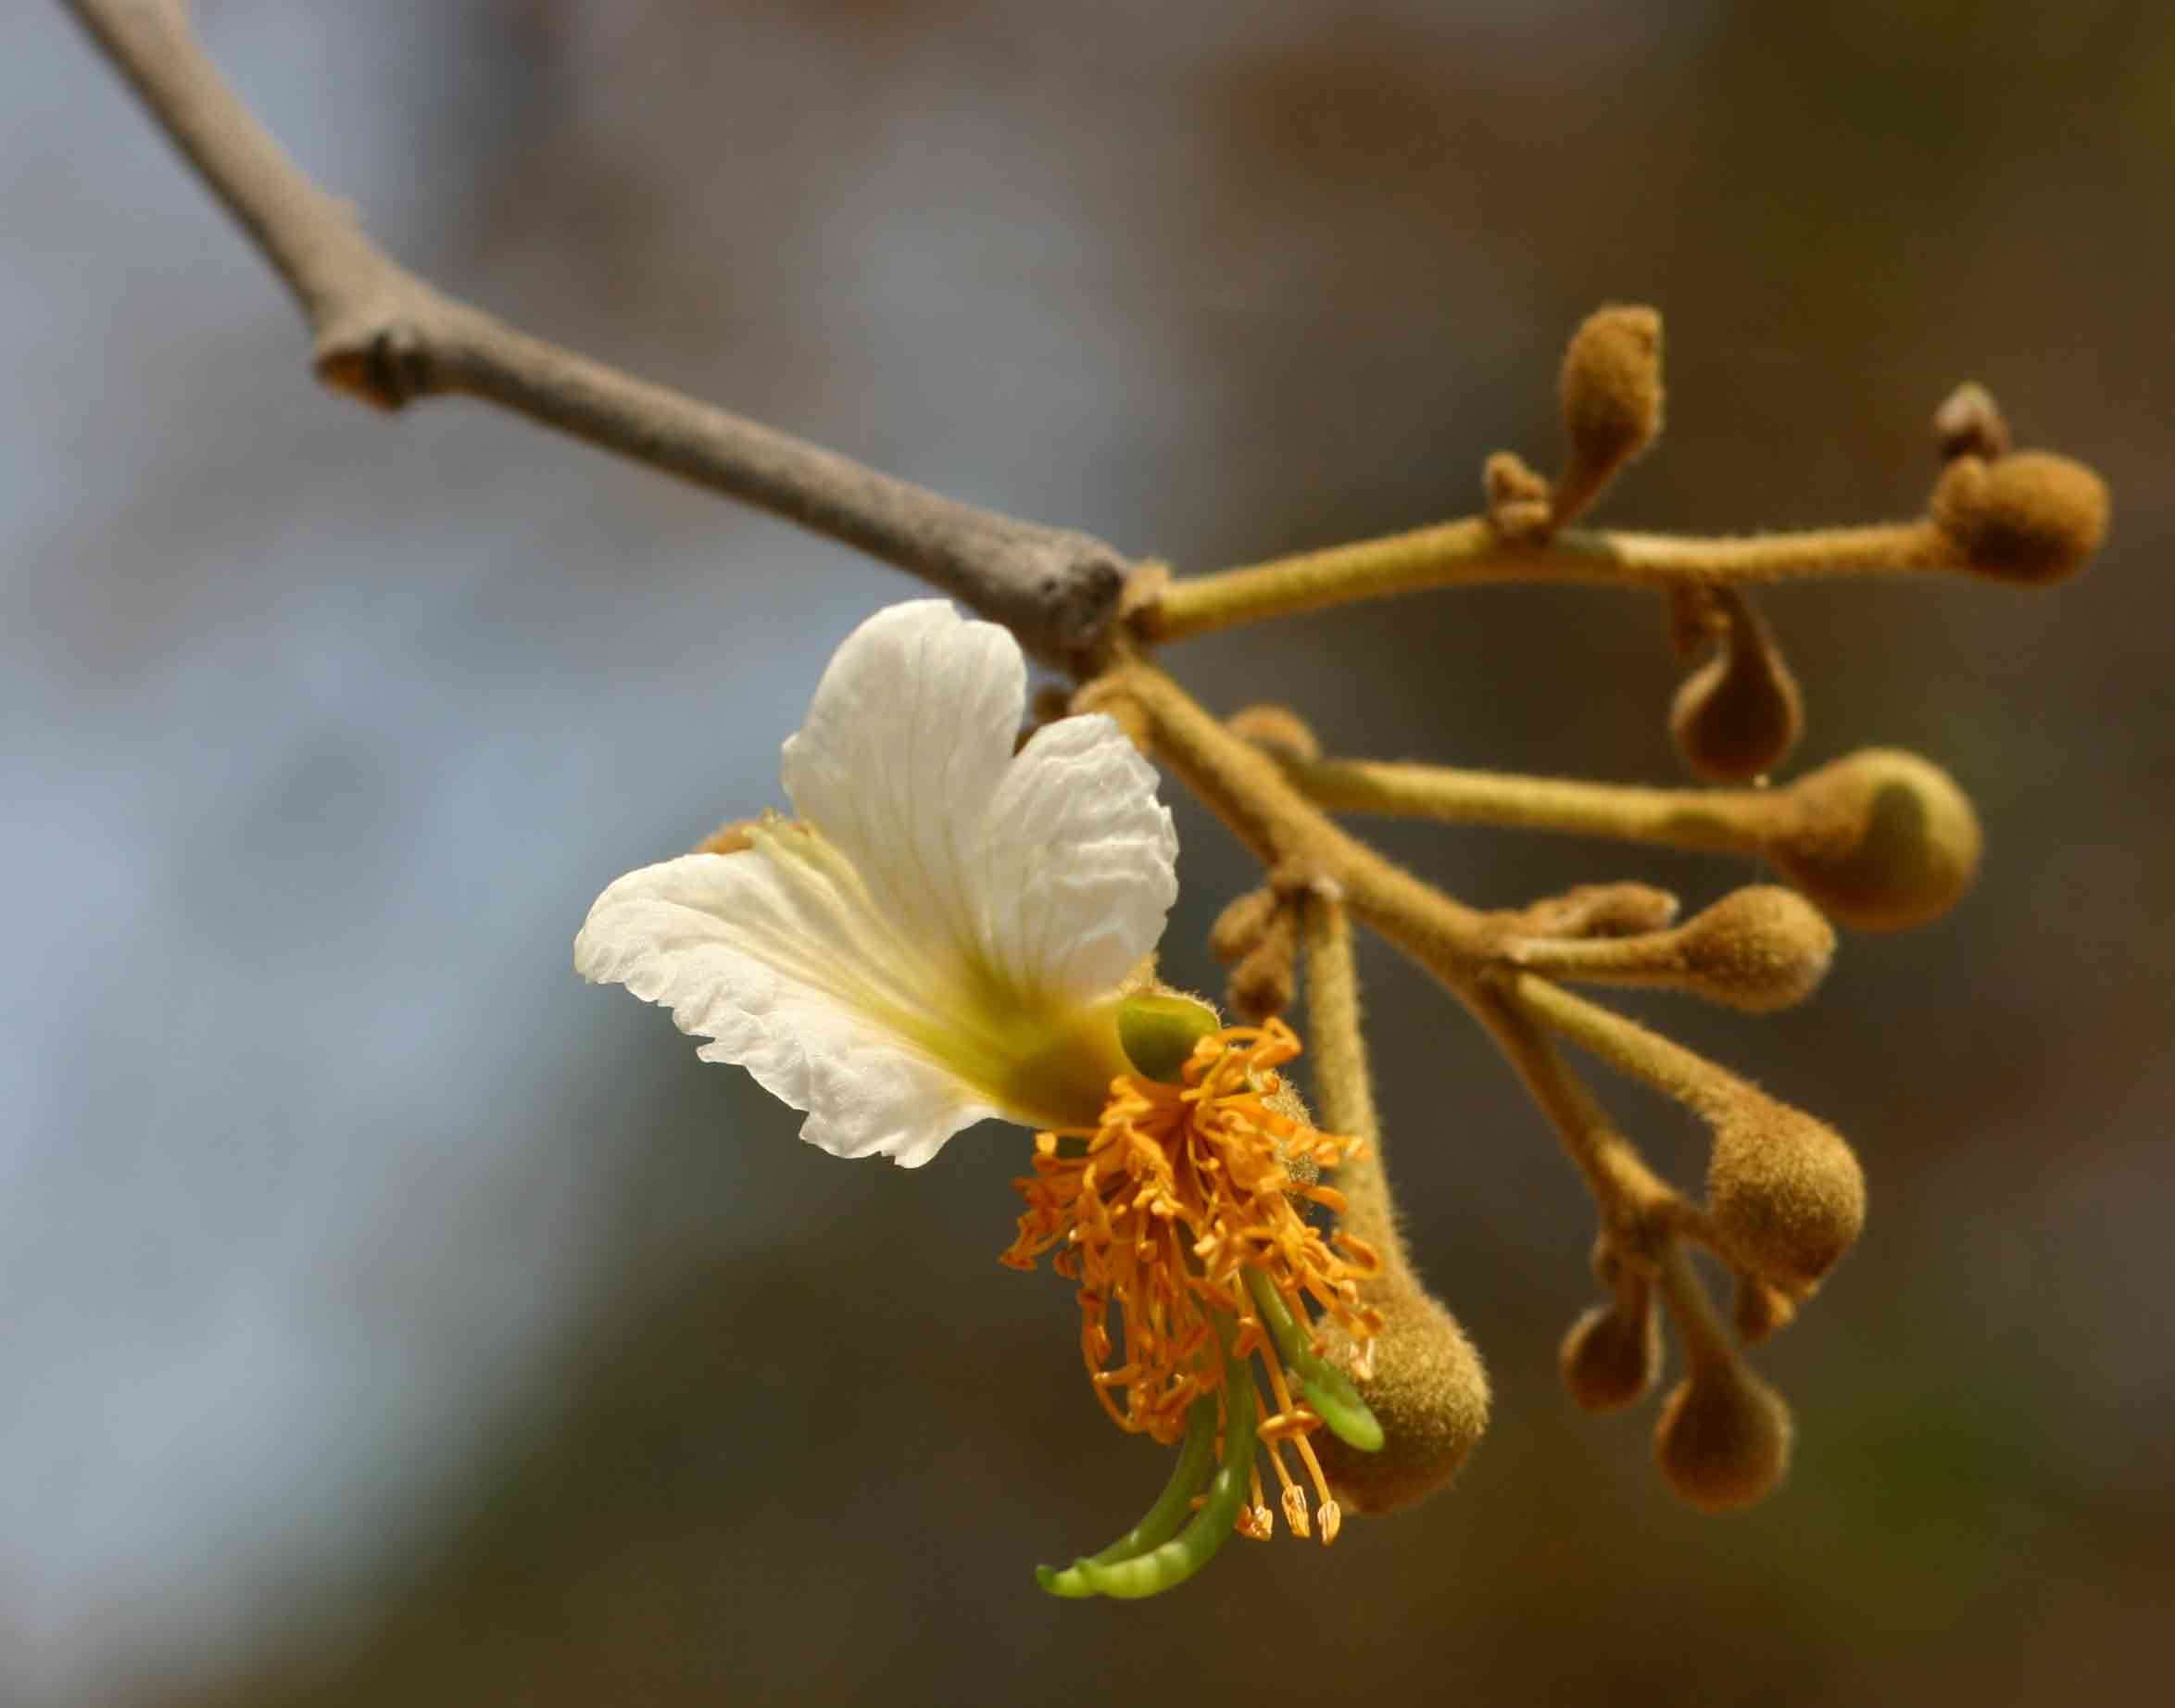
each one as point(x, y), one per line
point(1879, 840)
point(1189, 1205)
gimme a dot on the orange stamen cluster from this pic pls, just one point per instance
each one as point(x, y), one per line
point(1180, 1190)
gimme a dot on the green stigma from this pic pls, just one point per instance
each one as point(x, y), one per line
point(1159, 1031)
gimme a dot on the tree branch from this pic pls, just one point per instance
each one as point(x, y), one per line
point(385, 335)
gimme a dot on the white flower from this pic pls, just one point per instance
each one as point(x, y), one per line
point(942, 933)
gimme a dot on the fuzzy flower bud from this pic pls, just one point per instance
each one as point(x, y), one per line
point(2032, 516)
point(1880, 839)
point(1738, 716)
point(1267, 977)
point(1723, 1438)
point(1611, 401)
point(1758, 948)
point(1970, 424)
point(1786, 1192)
point(1428, 1389)
point(1517, 498)
point(1242, 924)
point(1612, 1354)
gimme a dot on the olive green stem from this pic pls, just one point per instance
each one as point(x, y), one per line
point(1471, 551)
point(1706, 1343)
point(1245, 788)
point(1640, 1209)
point(1343, 1086)
point(1250, 793)
point(1726, 821)
point(1668, 1067)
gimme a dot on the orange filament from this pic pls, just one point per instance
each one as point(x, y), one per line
point(1178, 1192)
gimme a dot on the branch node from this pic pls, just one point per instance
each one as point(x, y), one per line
point(385, 364)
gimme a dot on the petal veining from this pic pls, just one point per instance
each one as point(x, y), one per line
point(942, 936)
point(1050, 870)
point(789, 972)
point(1079, 861)
point(910, 733)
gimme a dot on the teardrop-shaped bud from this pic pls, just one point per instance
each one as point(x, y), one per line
point(1737, 716)
point(1612, 400)
point(2029, 517)
point(1723, 1438)
point(1758, 948)
point(1786, 1193)
point(1610, 1356)
point(1427, 1389)
point(1880, 839)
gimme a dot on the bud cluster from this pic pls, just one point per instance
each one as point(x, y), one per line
point(1878, 840)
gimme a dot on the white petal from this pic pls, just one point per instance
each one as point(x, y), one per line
point(1052, 870)
point(781, 964)
point(911, 731)
point(1079, 861)
point(941, 937)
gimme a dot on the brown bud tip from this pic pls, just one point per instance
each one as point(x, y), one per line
point(1622, 910)
point(1760, 1309)
point(1265, 979)
point(1430, 1394)
point(2030, 516)
point(1880, 839)
point(1738, 716)
point(1970, 424)
point(1723, 1438)
point(1278, 729)
point(1517, 498)
point(1786, 1193)
point(1758, 948)
point(1241, 925)
point(1608, 1360)
point(1612, 399)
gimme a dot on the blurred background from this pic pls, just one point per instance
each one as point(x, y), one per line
point(388, 1317)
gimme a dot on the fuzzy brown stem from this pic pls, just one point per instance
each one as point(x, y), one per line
point(1251, 794)
point(387, 337)
point(1666, 1065)
point(1343, 1086)
point(1453, 942)
point(1640, 1209)
point(1706, 1343)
